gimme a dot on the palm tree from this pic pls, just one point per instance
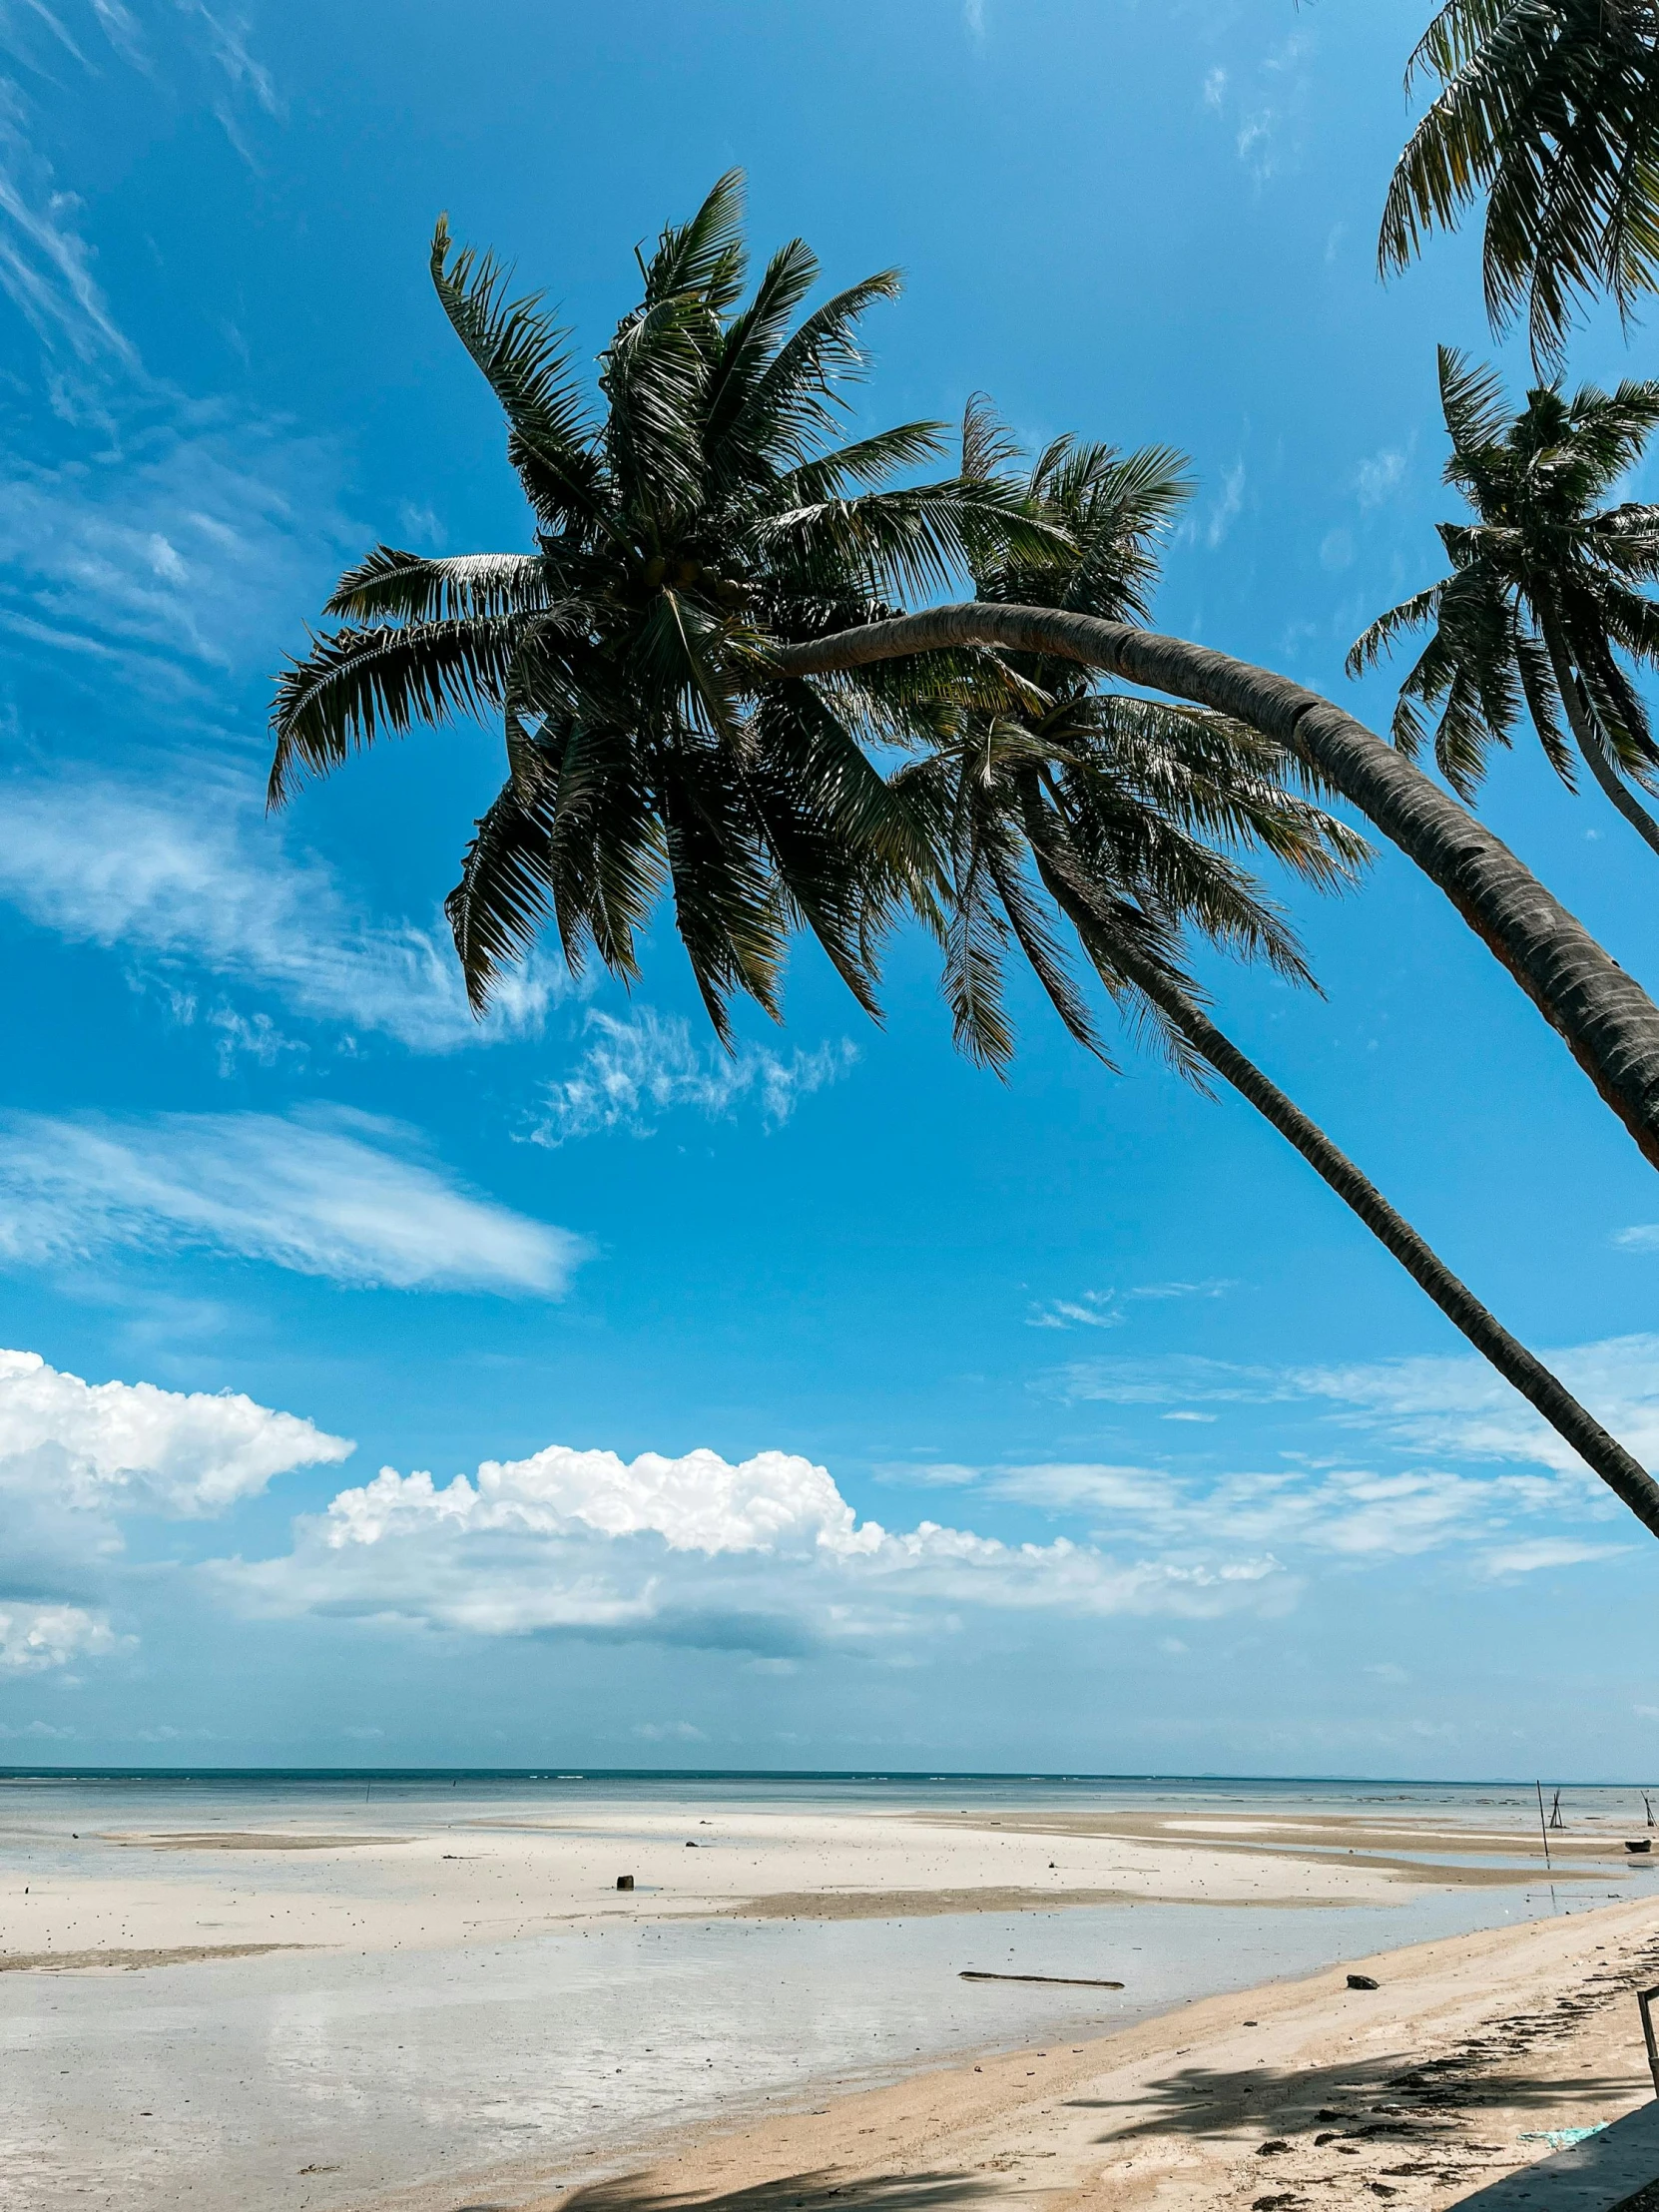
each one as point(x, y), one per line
point(1551, 109)
point(1058, 804)
point(710, 512)
point(1540, 599)
point(704, 544)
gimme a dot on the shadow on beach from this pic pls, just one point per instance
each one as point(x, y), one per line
point(1204, 2101)
point(805, 2192)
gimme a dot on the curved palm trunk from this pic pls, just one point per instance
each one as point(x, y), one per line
point(1606, 1019)
point(1588, 736)
point(1624, 1475)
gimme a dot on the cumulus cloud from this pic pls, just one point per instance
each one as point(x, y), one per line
point(192, 878)
point(339, 1197)
point(766, 1555)
point(77, 1457)
point(132, 1447)
point(35, 1637)
point(634, 1071)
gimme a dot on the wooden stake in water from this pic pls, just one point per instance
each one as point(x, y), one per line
point(1544, 1829)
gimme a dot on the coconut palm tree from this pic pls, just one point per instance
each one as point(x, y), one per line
point(1550, 107)
point(701, 544)
point(712, 510)
point(1540, 601)
point(1058, 805)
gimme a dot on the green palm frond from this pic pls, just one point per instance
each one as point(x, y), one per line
point(498, 910)
point(526, 362)
point(389, 585)
point(355, 683)
point(1379, 635)
point(1550, 109)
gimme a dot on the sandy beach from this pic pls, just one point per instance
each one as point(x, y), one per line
point(442, 1998)
point(1475, 2056)
point(124, 1895)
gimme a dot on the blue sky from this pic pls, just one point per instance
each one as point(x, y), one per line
point(1065, 1421)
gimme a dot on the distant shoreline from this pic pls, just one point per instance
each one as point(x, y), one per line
point(870, 1776)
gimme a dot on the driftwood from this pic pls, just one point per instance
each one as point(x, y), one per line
point(1056, 1981)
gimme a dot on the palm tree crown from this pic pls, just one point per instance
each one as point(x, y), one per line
point(706, 509)
point(1061, 804)
point(1541, 598)
point(1551, 109)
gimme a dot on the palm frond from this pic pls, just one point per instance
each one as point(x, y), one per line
point(355, 683)
point(525, 360)
point(415, 587)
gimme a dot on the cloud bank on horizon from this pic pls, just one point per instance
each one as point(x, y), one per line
point(762, 1556)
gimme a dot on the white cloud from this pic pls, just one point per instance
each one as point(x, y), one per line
point(35, 1637)
point(1451, 1407)
point(1460, 1409)
point(1546, 1551)
point(1350, 1513)
point(131, 1446)
point(337, 1197)
point(973, 22)
point(45, 262)
point(1215, 89)
point(180, 556)
point(1089, 1310)
point(1381, 477)
point(1643, 1237)
point(765, 1555)
point(637, 1070)
point(1228, 507)
point(193, 878)
point(1105, 1309)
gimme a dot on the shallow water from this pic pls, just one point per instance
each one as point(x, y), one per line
point(218, 2082)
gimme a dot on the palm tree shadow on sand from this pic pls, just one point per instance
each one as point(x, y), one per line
point(1204, 2101)
point(802, 2193)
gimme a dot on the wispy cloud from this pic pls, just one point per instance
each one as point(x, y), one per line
point(1228, 508)
point(46, 263)
point(343, 1197)
point(178, 548)
point(635, 1071)
point(1350, 1513)
point(1109, 1308)
point(1444, 1405)
point(973, 22)
point(1379, 477)
point(1264, 106)
point(189, 880)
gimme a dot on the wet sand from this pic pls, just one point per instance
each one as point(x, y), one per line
point(1478, 2056)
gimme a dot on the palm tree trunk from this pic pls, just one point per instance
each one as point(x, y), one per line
point(1624, 1475)
point(1589, 736)
point(1607, 1021)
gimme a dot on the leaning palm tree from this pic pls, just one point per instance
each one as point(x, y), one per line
point(1542, 599)
point(1550, 107)
point(1059, 807)
point(701, 543)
